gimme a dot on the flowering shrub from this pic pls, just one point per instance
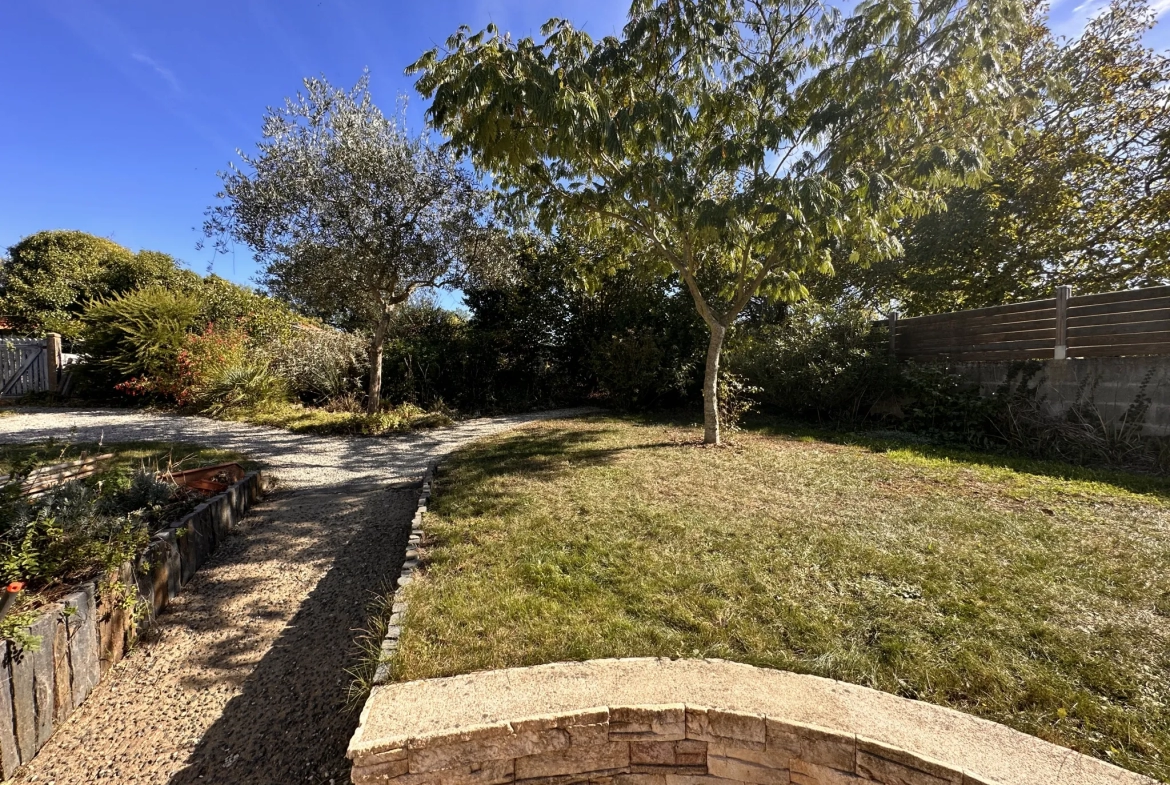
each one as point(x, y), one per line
point(203, 361)
point(206, 356)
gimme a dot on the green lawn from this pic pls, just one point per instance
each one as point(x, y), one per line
point(1032, 594)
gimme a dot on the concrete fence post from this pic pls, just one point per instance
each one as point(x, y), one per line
point(53, 361)
point(1063, 293)
point(893, 333)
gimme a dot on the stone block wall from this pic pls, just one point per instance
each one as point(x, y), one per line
point(675, 744)
point(91, 629)
point(1114, 383)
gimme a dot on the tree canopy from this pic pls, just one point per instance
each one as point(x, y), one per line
point(735, 143)
point(348, 213)
point(50, 276)
point(1084, 200)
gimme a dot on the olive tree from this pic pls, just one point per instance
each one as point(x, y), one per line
point(735, 143)
point(348, 214)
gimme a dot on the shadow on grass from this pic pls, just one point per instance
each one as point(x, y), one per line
point(890, 441)
point(543, 455)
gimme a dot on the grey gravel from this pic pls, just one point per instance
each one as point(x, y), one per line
point(298, 460)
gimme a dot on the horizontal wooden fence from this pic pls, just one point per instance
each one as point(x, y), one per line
point(1115, 324)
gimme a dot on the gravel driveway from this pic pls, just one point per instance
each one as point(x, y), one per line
point(245, 678)
point(299, 460)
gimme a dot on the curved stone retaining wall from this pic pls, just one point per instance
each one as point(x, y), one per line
point(689, 722)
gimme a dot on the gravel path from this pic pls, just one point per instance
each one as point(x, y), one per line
point(245, 678)
point(300, 461)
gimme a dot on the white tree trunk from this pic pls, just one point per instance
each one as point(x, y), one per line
point(711, 433)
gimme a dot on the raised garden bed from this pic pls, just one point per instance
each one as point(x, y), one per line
point(89, 630)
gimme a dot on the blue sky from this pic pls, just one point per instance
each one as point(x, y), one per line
point(116, 115)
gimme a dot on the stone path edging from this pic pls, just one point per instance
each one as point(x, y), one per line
point(405, 576)
point(40, 689)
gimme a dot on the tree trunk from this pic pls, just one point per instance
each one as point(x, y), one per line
point(711, 433)
point(377, 343)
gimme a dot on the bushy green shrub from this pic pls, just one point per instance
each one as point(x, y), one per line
point(822, 361)
point(540, 337)
point(319, 364)
point(628, 367)
point(137, 335)
point(265, 319)
point(242, 385)
point(49, 277)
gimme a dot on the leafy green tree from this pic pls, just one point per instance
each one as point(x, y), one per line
point(348, 214)
point(734, 143)
point(1085, 199)
point(50, 276)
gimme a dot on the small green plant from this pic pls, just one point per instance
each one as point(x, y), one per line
point(735, 400)
point(249, 383)
point(369, 644)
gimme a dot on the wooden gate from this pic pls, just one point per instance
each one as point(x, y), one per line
point(29, 365)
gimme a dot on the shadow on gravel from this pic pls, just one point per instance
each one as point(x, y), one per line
point(290, 724)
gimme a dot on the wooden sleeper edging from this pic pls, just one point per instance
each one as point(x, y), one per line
point(40, 690)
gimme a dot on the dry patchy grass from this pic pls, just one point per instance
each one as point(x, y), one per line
point(298, 418)
point(1031, 594)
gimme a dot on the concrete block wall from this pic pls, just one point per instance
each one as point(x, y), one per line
point(90, 630)
point(1114, 383)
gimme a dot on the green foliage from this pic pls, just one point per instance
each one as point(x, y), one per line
point(349, 214)
point(69, 534)
point(540, 337)
point(627, 365)
point(737, 399)
point(221, 302)
point(821, 361)
point(82, 530)
point(136, 335)
point(49, 277)
point(1084, 199)
point(241, 385)
point(734, 144)
point(319, 364)
point(833, 363)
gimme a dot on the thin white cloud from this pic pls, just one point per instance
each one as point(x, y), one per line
point(1160, 8)
point(1074, 24)
point(167, 74)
